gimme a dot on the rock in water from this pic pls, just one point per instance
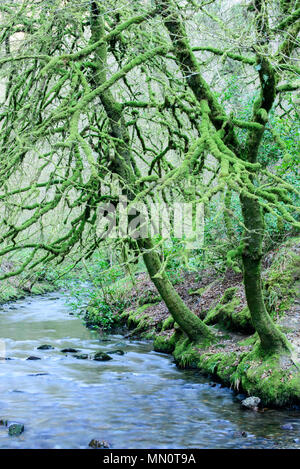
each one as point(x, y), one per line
point(33, 358)
point(15, 429)
point(287, 426)
point(69, 350)
point(251, 403)
point(102, 357)
point(81, 356)
point(99, 444)
point(45, 347)
point(117, 352)
point(3, 422)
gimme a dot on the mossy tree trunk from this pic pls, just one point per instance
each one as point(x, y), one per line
point(122, 165)
point(272, 340)
point(188, 321)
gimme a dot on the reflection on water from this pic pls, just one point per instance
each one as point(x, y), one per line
point(138, 400)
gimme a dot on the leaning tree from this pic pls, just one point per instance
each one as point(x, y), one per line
point(94, 90)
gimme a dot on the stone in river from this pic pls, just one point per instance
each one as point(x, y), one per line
point(102, 357)
point(69, 350)
point(38, 374)
point(3, 422)
point(33, 358)
point(117, 352)
point(81, 356)
point(287, 426)
point(45, 347)
point(99, 444)
point(251, 403)
point(15, 429)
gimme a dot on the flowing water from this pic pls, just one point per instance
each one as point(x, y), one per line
point(137, 400)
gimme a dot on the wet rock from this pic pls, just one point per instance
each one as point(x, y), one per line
point(251, 403)
point(117, 352)
point(102, 357)
point(45, 347)
point(287, 426)
point(239, 434)
point(38, 374)
point(3, 422)
point(15, 429)
point(81, 356)
point(33, 358)
point(99, 444)
point(69, 350)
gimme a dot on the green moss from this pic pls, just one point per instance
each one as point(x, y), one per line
point(197, 292)
point(221, 312)
point(240, 321)
point(10, 292)
point(165, 343)
point(186, 353)
point(275, 379)
point(149, 298)
point(252, 340)
point(222, 365)
point(168, 323)
point(151, 334)
point(225, 313)
point(228, 295)
point(137, 320)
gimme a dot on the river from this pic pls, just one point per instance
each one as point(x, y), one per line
point(137, 400)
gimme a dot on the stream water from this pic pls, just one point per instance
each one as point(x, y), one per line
point(137, 400)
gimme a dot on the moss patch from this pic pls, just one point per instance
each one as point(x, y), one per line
point(139, 321)
point(275, 379)
point(225, 313)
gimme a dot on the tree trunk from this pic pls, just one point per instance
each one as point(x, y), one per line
point(271, 338)
point(187, 320)
point(122, 165)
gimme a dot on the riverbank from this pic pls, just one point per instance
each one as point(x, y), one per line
point(220, 302)
point(17, 290)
